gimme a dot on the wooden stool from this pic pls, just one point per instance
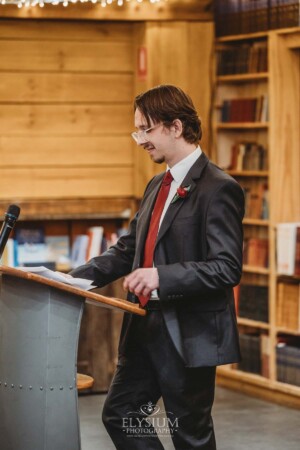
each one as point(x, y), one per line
point(84, 381)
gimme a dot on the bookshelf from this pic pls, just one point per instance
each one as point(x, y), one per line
point(279, 135)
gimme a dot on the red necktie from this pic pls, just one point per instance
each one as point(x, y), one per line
point(154, 225)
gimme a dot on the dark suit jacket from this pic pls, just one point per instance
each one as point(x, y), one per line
point(198, 255)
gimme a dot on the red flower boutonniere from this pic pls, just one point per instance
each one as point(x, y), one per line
point(182, 192)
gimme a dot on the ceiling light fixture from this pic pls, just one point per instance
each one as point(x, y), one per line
point(103, 3)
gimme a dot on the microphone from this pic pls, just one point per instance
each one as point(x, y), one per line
point(10, 219)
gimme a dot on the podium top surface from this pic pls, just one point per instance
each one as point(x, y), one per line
point(92, 297)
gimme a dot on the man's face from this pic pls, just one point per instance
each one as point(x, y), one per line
point(157, 141)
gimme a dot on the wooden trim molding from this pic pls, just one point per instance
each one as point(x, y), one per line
point(77, 208)
point(263, 391)
point(194, 10)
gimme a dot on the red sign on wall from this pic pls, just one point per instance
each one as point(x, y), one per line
point(142, 63)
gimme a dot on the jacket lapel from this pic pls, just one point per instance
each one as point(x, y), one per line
point(194, 173)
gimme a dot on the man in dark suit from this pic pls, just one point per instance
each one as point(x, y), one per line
point(181, 258)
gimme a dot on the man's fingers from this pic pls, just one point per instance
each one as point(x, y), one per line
point(141, 281)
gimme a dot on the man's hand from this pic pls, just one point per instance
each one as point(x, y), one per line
point(142, 281)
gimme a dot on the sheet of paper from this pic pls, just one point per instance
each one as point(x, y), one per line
point(58, 276)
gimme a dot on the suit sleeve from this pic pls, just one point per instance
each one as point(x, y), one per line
point(114, 263)
point(224, 240)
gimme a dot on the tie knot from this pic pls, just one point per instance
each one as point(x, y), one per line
point(167, 178)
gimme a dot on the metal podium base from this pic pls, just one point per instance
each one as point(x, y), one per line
point(39, 330)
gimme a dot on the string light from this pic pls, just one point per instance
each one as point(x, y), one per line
point(103, 3)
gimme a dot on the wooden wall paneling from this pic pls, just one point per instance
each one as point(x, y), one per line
point(144, 168)
point(65, 110)
point(66, 151)
point(67, 182)
point(169, 44)
point(65, 120)
point(201, 75)
point(284, 130)
point(100, 55)
point(56, 88)
point(62, 31)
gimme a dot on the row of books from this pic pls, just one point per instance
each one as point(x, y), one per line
point(288, 361)
point(241, 59)
point(248, 16)
point(256, 252)
point(254, 109)
point(252, 302)
point(288, 306)
point(248, 156)
point(257, 202)
point(30, 247)
point(288, 248)
point(255, 350)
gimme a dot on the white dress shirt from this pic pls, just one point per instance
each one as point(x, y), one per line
point(178, 172)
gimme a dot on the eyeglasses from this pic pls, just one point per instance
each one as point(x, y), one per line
point(142, 134)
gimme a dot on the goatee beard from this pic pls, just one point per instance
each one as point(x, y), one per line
point(159, 160)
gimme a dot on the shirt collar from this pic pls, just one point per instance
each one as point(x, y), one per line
point(180, 169)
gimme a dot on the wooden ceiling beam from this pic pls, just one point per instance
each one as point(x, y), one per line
point(199, 10)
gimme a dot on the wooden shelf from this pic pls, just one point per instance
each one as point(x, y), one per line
point(282, 330)
point(258, 222)
point(288, 278)
point(253, 323)
point(246, 376)
point(257, 35)
point(242, 125)
point(71, 209)
point(259, 270)
point(284, 184)
point(243, 77)
point(243, 37)
point(248, 173)
point(259, 386)
point(288, 388)
point(288, 30)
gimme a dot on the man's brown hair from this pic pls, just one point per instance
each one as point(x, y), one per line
point(165, 103)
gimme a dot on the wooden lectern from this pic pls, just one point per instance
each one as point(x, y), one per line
point(39, 331)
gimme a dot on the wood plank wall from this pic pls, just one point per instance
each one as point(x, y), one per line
point(66, 91)
point(284, 57)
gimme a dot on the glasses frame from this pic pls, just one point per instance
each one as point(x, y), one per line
point(142, 134)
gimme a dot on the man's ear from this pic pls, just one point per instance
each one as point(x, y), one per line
point(178, 127)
